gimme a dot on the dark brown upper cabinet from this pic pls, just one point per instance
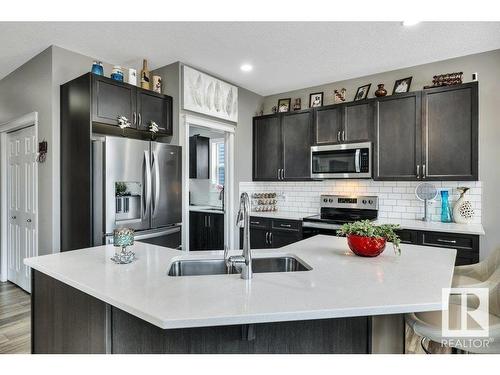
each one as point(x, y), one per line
point(428, 135)
point(111, 99)
point(154, 107)
point(327, 125)
point(199, 157)
point(267, 151)
point(345, 122)
point(358, 118)
point(397, 146)
point(281, 146)
point(450, 133)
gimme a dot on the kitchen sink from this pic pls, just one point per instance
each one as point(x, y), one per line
point(198, 267)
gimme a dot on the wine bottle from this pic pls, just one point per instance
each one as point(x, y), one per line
point(145, 75)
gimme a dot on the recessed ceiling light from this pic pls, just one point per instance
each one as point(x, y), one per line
point(246, 67)
point(410, 23)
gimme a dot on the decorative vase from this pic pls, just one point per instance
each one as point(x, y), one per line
point(122, 238)
point(381, 91)
point(445, 207)
point(132, 77)
point(145, 75)
point(463, 213)
point(366, 246)
point(117, 73)
point(97, 68)
point(157, 84)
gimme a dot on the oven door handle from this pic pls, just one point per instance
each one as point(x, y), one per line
point(357, 160)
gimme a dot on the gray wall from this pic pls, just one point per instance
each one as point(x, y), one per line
point(35, 87)
point(25, 90)
point(248, 104)
point(488, 66)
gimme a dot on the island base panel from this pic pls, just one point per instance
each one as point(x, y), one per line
point(342, 335)
point(66, 320)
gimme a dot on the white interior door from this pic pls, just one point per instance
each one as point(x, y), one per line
point(22, 203)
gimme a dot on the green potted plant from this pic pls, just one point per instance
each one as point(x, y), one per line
point(367, 239)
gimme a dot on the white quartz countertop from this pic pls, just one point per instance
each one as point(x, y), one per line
point(432, 226)
point(340, 284)
point(289, 215)
point(207, 209)
point(435, 226)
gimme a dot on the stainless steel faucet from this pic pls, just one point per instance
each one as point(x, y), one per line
point(243, 221)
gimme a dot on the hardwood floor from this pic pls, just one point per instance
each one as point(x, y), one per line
point(15, 320)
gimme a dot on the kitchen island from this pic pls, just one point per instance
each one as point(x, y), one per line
point(84, 303)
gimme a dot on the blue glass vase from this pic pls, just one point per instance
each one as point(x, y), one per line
point(97, 68)
point(445, 207)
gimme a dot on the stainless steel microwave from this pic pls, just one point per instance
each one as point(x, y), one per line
point(347, 160)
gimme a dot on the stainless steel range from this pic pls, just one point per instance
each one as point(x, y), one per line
point(337, 210)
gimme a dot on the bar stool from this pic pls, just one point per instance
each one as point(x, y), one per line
point(480, 274)
point(428, 324)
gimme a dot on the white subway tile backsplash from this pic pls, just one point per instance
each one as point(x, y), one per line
point(396, 198)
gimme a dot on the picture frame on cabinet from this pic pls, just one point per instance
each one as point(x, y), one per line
point(362, 92)
point(316, 99)
point(402, 85)
point(284, 104)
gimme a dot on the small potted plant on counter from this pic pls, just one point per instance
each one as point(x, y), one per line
point(367, 239)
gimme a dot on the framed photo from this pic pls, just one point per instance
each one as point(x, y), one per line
point(402, 85)
point(315, 99)
point(362, 92)
point(284, 104)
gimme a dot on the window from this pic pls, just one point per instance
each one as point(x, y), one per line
point(217, 161)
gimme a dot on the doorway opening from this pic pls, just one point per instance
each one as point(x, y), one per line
point(19, 198)
point(207, 184)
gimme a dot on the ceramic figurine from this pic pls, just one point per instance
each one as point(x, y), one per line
point(381, 91)
point(339, 96)
point(463, 213)
point(145, 75)
point(157, 84)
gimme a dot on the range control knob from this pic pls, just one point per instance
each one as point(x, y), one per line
point(325, 200)
point(330, 200)
point(364, 201)
point(370, 201)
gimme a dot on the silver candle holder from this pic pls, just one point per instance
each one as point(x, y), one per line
point(122, 238)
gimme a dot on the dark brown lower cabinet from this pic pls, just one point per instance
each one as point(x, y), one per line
point(206, 231)
point(268, 233)
point(467, 245)
point(67, 321)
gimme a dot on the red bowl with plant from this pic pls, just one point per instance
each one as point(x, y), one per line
point(368, 240)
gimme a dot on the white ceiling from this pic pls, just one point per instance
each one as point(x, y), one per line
point(285, 55)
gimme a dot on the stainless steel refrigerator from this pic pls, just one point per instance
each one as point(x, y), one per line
point(136, 184)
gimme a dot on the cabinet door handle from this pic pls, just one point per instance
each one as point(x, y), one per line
point(267, 238)
point(282, 174)
point(338, 136)
point(134, 118)
point(418, 171)
point(140, 120)
point(270, 238)
point(286, 225)
point(446, 241)
point(255, 222)
point(343, 135)
point(423, 170)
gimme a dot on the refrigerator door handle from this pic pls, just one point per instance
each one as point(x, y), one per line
point(147, 184)
point(156, 187)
